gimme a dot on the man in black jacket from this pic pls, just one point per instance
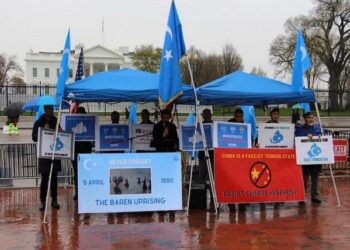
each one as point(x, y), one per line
point(49, 121)
point(165, 138)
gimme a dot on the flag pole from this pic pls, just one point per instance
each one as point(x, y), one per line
point(330, 166)
point(52, 161)
point(206, 152)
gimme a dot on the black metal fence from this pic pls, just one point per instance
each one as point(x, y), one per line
point(19, 161)
point(10, 94)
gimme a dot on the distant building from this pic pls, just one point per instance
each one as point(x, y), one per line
point(42, 68)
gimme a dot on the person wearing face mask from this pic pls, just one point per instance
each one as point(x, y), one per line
point(310, 129)
point(165, 138)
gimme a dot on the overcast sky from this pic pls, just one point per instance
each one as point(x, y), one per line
point(250, 25)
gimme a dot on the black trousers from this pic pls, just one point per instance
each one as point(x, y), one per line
point(44, 184)
point(312, 171)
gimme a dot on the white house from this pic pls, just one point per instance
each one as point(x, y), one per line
point(42, 68)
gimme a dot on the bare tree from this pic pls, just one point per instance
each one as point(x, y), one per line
point(231, 61)
point(8, 69)
point(331, 31)
point(283, 47)
point(18, 84)
point(258, 71)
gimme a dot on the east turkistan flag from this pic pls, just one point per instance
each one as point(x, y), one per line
point(301, 63)
point(64, 70)
point(170, 86)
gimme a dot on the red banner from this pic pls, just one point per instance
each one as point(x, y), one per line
point(257, 175)
point(341, 149)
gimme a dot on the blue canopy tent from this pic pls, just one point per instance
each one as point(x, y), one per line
point(239, 88)
point(120, 86)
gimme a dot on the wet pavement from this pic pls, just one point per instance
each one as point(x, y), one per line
point(284, 226)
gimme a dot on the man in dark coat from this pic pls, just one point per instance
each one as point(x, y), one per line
point(145, 117)
point(165, 138)
point(48, 121)
point(81, 147)
point(310, 129)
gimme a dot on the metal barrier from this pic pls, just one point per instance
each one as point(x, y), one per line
point(19, 161)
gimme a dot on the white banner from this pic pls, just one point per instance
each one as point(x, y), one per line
point(318, 150)
point(141, 137)
point(276, 135)
point(64, 145)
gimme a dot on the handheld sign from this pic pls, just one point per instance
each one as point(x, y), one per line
point(276, 135)
point(232, 135)
point(64, 145)
point(112, 137)
point(83, 126)
point(318, 150)
point(142, 137)
point(186, 134)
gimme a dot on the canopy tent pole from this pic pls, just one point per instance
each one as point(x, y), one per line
point(206, 152)
point(52, 160)
point(192, 164)
point(330, 166)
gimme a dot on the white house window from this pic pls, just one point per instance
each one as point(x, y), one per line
point(47, 90)
point(35, 72)
point(70, 73)
point(47, 72)
point(58, 72)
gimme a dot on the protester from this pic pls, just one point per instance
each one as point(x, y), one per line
point(296, 117)
point(237, 116)
point(145, 117)
point(274, 116)
point(47, 121)
point(115, 117)
point(309, 129)
point(81, 147)
point(203, 168)
point(165, 138)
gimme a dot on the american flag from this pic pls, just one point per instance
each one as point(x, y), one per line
point(78, 76)
point(80, 69)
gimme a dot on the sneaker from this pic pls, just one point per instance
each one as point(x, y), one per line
point(316, 200)
point(55, 205)
point(42, 206)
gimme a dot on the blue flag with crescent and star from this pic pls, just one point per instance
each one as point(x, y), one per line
point(64, 70)
point(170, 85)
point(301, 63)
point(249, 117)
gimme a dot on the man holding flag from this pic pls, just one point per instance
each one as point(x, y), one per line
point(301, 64)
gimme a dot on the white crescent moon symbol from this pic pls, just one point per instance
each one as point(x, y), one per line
point(85, 164)
point(303, 52)
point(168, 30)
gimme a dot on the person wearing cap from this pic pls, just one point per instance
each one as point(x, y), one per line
point(47, 121)
point(145, 117)
point(165, 138)
point(310, 129)
point(274, 116)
